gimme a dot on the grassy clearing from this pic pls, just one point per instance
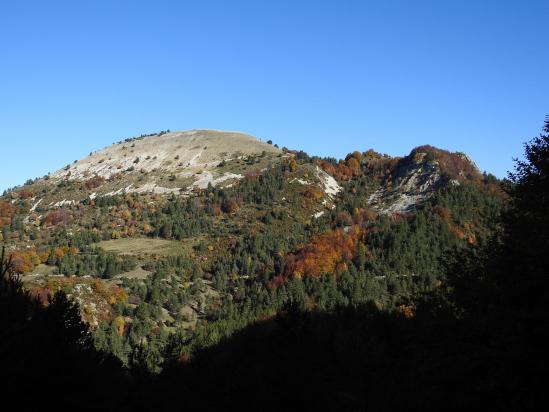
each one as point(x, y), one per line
point(143, 246)
point(138, 273)
point(39, 272)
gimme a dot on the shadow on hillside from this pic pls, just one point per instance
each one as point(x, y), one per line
point(353, 360)
point(47, 359)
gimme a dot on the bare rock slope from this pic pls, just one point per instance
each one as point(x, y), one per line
point(414, 178)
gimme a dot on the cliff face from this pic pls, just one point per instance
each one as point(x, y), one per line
point(413, 179)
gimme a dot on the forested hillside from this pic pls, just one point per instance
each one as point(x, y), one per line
point(298, 282)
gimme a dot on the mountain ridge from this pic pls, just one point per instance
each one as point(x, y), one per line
point(179, 163)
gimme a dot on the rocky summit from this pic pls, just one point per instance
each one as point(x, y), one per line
point(169, 162)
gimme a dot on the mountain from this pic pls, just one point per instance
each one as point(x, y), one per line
point(210, 270)
point(162, 163)
point(181, 162)
point(288, 281)
point(178, 239)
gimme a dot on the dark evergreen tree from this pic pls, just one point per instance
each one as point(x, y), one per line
point(525, 256)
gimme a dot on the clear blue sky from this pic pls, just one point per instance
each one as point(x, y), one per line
point(328, 77)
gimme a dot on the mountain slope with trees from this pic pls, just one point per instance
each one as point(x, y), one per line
point(286, 288)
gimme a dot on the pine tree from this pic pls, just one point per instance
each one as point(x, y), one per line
point(525, 259)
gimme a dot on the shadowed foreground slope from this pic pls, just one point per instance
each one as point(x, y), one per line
point(355, 359)
point(47, 356)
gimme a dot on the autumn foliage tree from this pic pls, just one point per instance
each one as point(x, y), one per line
point(7, 211)
point(57, 217)
point(94, 182)
point(356, 164)
point(24, 261)
point(326, 253)
point(229, 206)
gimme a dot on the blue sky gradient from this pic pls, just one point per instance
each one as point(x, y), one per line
point(327, 77)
